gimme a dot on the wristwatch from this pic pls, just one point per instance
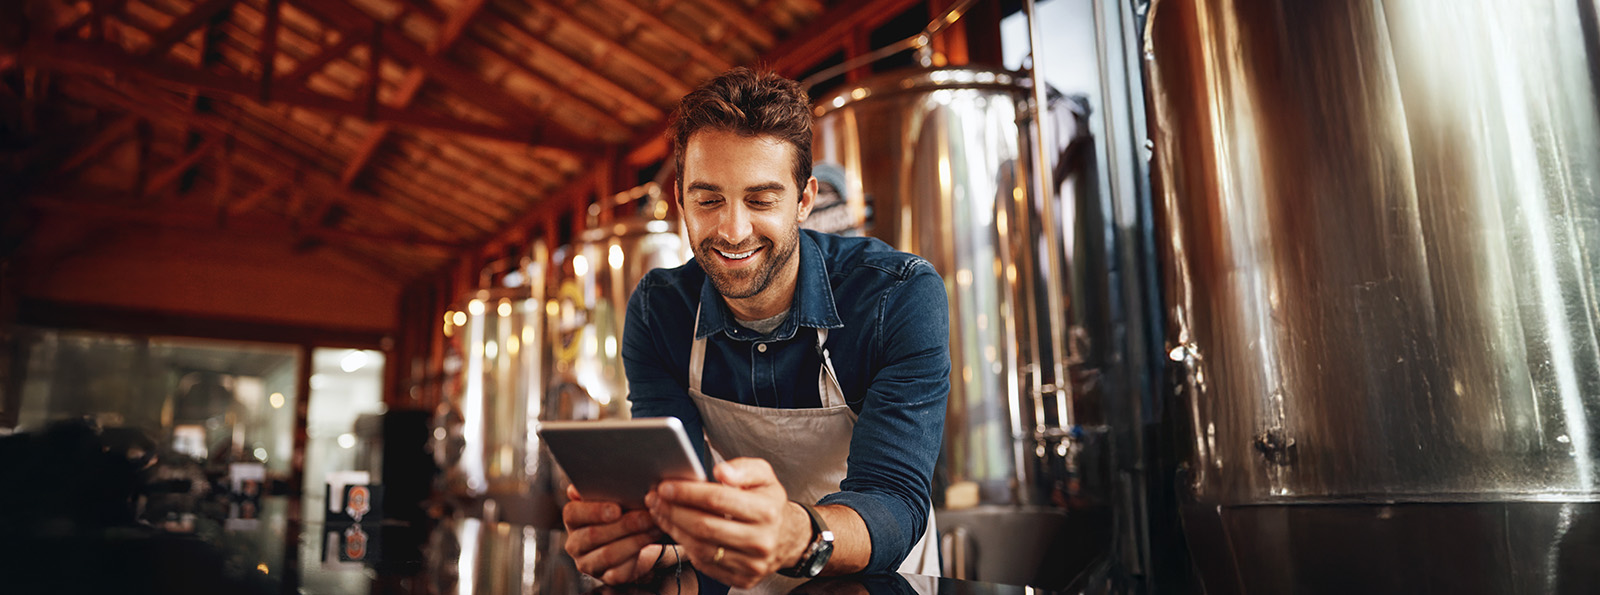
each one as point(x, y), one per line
point(817, 553)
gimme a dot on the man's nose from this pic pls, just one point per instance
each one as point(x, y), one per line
point(734, 227)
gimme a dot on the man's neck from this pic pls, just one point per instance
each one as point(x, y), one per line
point(775, 300)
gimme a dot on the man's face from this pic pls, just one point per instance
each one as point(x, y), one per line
point(742, 209)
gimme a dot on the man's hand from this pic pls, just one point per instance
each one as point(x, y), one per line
point(739, 531)
point(608, 544)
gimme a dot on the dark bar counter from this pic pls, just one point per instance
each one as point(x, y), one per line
point(466, 555)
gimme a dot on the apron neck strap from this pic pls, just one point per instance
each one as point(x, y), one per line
point(828, 382)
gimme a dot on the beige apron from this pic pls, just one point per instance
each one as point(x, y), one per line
point(807, 448)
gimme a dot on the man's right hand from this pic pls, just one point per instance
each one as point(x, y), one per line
point(608, 544)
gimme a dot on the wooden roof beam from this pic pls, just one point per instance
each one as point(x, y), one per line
point(256, 197)
point(268, 161)
point(311, 65)
point(108, 208)
point(590, 110)
point(171, 174)
point(415, 78)
point(105, 63)
point(184, 25)
point(561, 62)
point(671, 83)
point(497, 100)
point(736, 15)
point(695, 48)
point(108, 137)
point(268, 51)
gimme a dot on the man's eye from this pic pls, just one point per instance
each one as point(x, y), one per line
point(706, 202)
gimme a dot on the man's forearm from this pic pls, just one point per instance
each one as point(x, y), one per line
point(852, 544)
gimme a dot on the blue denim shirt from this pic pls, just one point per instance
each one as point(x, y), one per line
point(889, 339)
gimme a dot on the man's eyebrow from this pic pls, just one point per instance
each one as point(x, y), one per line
point(769, 186)
point(705, 186)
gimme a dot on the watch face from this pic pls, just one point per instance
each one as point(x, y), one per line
point(819, 559)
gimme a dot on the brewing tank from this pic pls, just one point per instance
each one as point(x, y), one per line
point(941, 159)
point(587, 300)
point(480, 439)
point(1381, 249)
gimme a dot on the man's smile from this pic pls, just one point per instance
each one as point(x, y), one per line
point(736, 255)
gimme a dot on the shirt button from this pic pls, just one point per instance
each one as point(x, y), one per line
point(762, 347)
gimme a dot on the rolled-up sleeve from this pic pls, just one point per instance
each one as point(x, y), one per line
point(897, 437)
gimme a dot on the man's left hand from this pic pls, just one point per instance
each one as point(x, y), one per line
point(739, 531)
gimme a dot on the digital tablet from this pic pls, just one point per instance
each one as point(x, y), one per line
point(621, 460)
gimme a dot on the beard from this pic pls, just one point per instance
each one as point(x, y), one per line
point(751, 281)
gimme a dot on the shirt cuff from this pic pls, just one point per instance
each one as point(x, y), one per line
point(889, 540)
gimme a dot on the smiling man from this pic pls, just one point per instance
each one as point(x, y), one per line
point(816, 368)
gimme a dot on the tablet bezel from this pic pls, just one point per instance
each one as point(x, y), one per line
point(621, 460)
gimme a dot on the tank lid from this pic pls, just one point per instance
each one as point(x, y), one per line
point(920, 79)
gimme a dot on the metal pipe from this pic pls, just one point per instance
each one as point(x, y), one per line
point(1043, 188)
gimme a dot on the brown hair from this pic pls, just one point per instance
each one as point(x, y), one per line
point(748, 103)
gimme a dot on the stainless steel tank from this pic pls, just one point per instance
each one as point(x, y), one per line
point(1382, 258)
point(487, 411)
point(943, 159)
point(588, 299)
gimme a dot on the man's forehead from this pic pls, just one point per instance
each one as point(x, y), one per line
point(707, 136)
point(714, 141)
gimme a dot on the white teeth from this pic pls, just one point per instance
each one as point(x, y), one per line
point(739, 256)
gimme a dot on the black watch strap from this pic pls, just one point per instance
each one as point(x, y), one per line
point(817, 552)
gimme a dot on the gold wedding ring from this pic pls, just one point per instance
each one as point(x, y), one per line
point(718, 556)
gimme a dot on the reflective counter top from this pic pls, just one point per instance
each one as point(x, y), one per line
point(459, 555)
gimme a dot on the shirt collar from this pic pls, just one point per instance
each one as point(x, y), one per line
point(813, 301)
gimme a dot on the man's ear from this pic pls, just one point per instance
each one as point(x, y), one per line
point(808, 198)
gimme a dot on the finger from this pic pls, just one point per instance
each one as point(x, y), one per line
point(746, 472)
point(721, 500)
point(698, 525)
point(733, 569)
point(572, 493)
point(582, 514)
point(591, 537)
point(617, 561)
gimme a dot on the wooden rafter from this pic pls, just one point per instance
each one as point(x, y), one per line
point(644, 18)
point(72, 57)
point(736, 16)
point(560, 94)
point(256, 197)
point(184, 25)
point(315, 63)
point(264, 158)
point(374, 81)
point(109, 208)
point(670, 83)
point(409, 88)
point(560, 62)
point(108, 137)
point(349, 20)
point(166, 177)
point(268, 52)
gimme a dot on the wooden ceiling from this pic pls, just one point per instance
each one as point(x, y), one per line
point(397, 133)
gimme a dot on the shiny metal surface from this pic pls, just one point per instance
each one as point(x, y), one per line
point(943, 157)
point(588, 298)
point(1488, 548)
point(937, 153)
point(489, 407)
point(1382, 246)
